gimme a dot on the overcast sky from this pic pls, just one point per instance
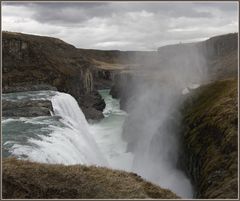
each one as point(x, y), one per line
point(122, 25)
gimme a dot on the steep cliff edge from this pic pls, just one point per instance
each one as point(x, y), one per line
point(24, 180)
point(36, 60)
point(210, 139)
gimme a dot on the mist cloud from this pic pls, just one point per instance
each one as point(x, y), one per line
point(153, 96)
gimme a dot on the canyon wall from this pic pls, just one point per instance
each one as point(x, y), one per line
point(210, 139)
point(220, 52)
point(35, 62)
point(32, 62)
point(209, 116)
point(220, 56)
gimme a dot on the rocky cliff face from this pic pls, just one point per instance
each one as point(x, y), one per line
point(35, 60)
point(210, 139)
point(220, 53)
point(223, 59)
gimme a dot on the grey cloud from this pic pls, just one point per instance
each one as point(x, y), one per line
point(62, 13)
point(124, 26)
point(74, 13)
point(229, 6)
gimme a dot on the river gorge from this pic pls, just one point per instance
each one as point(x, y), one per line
point(112, 124)
point(67, 138)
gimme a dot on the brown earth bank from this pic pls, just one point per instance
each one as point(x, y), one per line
point(28, 180)
point(210, 139)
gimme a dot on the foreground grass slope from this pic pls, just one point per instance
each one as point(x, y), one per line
point(211, 139)
point(24, 179)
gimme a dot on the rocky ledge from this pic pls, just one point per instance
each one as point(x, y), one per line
point(28, 180)
point(25, 87)
point(26, 108)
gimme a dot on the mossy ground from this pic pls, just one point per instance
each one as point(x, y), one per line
point(24, 179)
point(211, 139)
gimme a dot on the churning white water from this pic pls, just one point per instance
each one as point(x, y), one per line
point(70, 143)
point(73, 144)
point(108, 134)
point(152, 133)
point(67, 137)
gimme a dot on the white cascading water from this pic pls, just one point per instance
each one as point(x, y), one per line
point(71, 140)
point(65, 106)
point(153, 139)
point(108, 134)
point(71, 144)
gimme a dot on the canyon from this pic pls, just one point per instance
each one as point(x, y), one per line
point(209, 120)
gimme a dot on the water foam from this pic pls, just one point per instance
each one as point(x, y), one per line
point(71, 144)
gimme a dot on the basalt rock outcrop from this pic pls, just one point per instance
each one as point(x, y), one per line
point(28, 180)
point(210, 139)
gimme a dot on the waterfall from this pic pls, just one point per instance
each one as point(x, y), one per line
point(65, 106)
point(151, 131)
point(71, 143)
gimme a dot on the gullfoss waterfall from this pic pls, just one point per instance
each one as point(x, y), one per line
point(63, 138)
point(67, 138)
